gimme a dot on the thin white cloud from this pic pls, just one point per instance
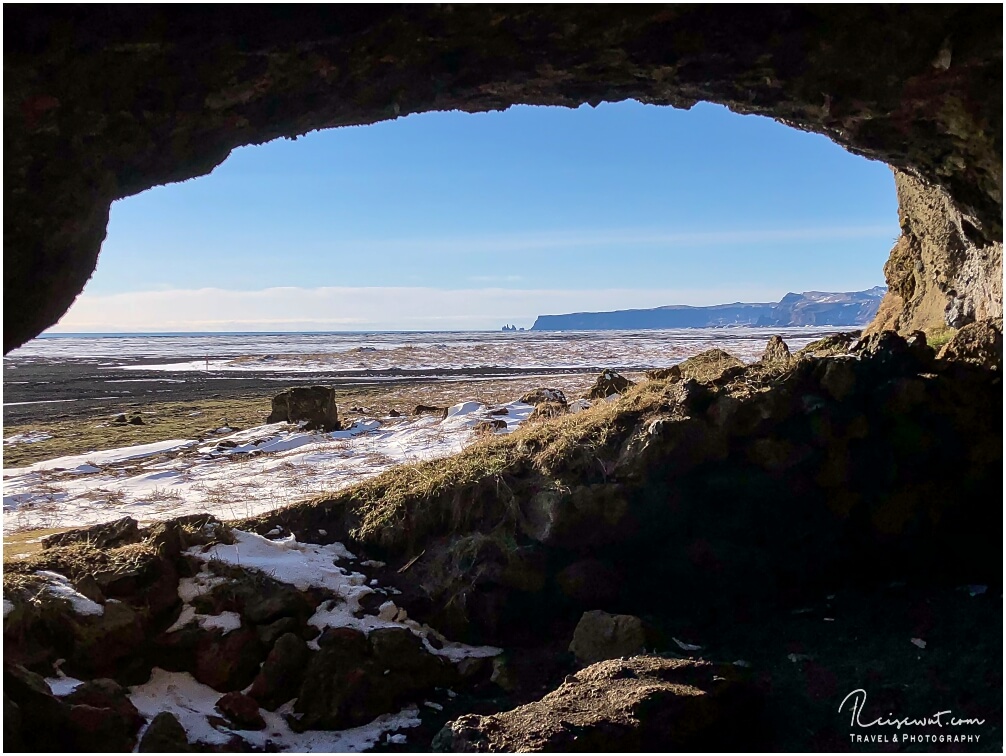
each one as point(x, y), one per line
point(495, 279)
point(366, 308)
point(630, 237)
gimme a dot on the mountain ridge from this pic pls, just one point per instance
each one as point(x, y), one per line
point(815, 308)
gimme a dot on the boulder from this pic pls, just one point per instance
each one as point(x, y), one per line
point(136, 420)
point(776, 353)
point(830, 346)
point(281, 674)
point(107, 535)
point(838, 377)
point(599, 636)
point(242, 710)
point(44, 719)
point(709, 366)
point(355, 678)
point(104, 643)
point(227, 662)
point(548, 410)
point(104, 693)
point(645, 703)
point(978, 344)
point(164, 735)
point(489, 426)
point(608, 383)
point(544, 395)
point(12, 739)
point(312, 405)
point(101, 730)
point(890, 353)
point(269, 634)
point(425, 409)
point(672, 373)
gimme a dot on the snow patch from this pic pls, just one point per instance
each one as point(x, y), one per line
point(63, 685)
point(174, 478)
point(32, 437)
point(194, 703)
point(59, 587)
point(107, 457)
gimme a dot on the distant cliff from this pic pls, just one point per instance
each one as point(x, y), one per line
point(815, 308)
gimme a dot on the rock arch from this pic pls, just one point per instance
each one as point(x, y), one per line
point(101, 102)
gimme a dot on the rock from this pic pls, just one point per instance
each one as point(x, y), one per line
point(499, 411)
point(227, 662)
point(890, 352)
point(102, 730)
point(120, 418)
point(645, 703)
point(103, 644)
point(88, 587)
point(600, 636)
point(709, 366)
point(313, 405)
point(978, 344)
point(136, 420)
point(608, 383)
point(424, 409)
point(830, 346)
point(578, 405)
point(273, 600)
point(44, 718)
point(269, 634)
point(589, 581)
point(355, 678)
point(776, 353)
point(281, 674)
point(548, 410)
point(164, 735)
point(543, 395)
point(12, 740)
point(838, 377)
point(489, 426)
point(242, 710)
point(941, 272)
point(671, 374)
point(503, 674)
point(107, 535)
point(103, 693)
point(394, 413)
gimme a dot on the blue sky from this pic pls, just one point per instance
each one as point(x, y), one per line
point(455, 220)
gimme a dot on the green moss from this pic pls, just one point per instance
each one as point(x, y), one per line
point(937, 337)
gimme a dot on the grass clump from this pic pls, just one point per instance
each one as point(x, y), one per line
point(940, 335)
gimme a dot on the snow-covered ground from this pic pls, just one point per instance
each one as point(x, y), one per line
point(429, 352)
point(233, 474)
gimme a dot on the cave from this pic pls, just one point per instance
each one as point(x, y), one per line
point(107, 102)
point(882, 457)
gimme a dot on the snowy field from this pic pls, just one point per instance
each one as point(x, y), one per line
point(232, 474)
point(426, 352)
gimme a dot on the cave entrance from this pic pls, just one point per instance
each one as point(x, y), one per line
point(454, 221)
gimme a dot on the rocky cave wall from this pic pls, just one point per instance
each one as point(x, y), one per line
point(101, 102)
point(941, 273)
